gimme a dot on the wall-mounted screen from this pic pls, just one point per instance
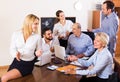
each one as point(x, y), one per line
point(50, 21)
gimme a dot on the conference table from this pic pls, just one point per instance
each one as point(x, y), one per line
point(42, 74)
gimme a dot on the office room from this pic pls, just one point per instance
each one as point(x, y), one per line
point(13, 12)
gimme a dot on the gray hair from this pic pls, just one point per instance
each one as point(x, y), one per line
point(78, 25)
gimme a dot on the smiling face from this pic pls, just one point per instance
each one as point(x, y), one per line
point(101, 40)
point(35, 25)
point(61, 16)
point(48, 35)
point(76, 29)
point(105, 10)
point(98, 43)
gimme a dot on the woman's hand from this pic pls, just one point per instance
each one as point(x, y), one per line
point(67, 33)
point(18, 56)
point(70, 71)
point(60, 36)
point(38, 53)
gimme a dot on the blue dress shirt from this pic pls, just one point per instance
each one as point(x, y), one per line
point(102, 62)
point(109, 25)
point(80, 45)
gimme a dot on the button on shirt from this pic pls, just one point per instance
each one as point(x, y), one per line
point(80, 45)
point(102, 62)
point(26, 49)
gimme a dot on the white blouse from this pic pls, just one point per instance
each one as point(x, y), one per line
point(61, 30)
point(26, 49)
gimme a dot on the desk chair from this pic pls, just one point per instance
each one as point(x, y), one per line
point(90, 34)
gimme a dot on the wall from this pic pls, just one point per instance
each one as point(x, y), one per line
point(12, 13)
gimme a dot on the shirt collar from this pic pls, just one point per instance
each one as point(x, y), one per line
point(43, 40)
point(110, 15)
point(79, 36)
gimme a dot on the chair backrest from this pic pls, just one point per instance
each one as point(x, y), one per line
point(91, 34)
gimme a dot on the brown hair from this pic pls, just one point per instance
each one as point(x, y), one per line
point(110, 5)
point(57, 15)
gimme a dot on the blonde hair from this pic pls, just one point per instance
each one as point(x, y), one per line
point(27, 25)
point(104, 38)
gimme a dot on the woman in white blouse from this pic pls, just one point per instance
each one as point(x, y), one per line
point(62, 28)
point(23, 46)
point(101, 61)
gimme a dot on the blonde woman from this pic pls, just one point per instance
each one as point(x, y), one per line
point(23, 45)
point(101, 60)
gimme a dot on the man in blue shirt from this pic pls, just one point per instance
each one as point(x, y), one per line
point(109, 24)
point(79, 44)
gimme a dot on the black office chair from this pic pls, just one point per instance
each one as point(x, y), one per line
point(91, 34)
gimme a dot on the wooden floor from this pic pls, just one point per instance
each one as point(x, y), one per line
point(3, 70)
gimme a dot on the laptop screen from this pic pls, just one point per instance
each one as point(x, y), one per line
point(60, 52)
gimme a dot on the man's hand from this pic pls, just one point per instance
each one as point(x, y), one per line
point(52, 49)
point(72, 58)
point(80, 55)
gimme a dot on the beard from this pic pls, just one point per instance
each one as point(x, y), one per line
point(49, 39)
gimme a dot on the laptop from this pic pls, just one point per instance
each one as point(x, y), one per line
point(43, 59)
point(60, 52)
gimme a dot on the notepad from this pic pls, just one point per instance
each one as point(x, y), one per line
point(64, 68)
